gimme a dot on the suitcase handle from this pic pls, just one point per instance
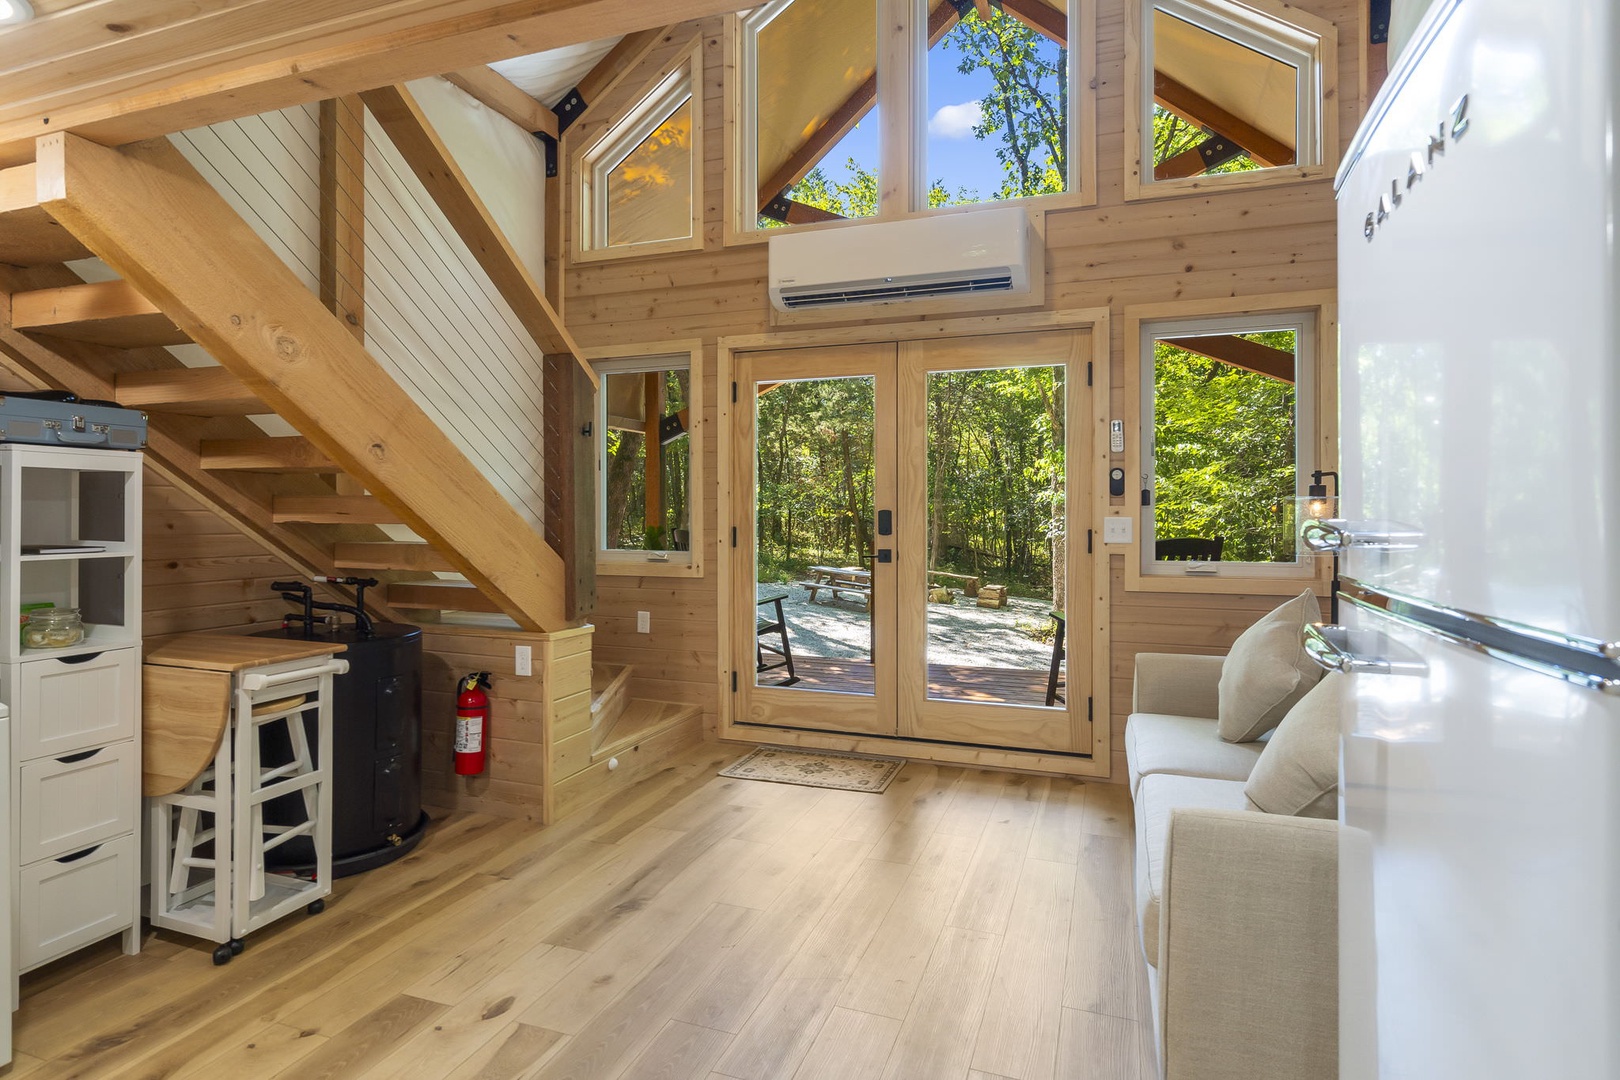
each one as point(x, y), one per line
point(81, 438)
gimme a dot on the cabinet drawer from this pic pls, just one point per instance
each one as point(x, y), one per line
point(68, 805)
point(71, 901)
point(62, 706)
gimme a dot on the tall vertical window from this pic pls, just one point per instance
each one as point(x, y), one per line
point(647, 491)
point(639, 185)
point(1226, 88)
point(1227, 429)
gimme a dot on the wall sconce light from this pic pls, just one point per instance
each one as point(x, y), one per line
point(1319, 505)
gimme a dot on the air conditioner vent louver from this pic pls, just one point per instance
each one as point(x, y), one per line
point(872, 294)
point(983, 251)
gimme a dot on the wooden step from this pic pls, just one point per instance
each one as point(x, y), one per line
point(290, 453)
point(28, 235)
point(610, 693)
point(206, 391)
point(641, 720)
point(331, 510)
point(401, 556)
point(439, 596)
point(103, 312)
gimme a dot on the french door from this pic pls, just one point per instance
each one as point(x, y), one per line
point(910, 526)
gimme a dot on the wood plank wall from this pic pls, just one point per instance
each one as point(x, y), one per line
point(1225, 244)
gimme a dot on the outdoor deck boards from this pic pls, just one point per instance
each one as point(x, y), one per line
point(953, 682)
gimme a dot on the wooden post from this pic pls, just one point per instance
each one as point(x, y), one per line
point(570, 475)
point(343, 211)
point(652, 397)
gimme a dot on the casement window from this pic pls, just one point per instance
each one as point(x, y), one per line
point(648, 488)
point(891, 108)
point(641, 178)
point(1226, 90)
point(1229, 419)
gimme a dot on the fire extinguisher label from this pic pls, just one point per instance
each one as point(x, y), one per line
point(469, 734)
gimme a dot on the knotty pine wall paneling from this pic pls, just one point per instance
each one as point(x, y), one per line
point(1210, 245)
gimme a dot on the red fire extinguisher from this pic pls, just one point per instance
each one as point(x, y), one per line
point(472, 723)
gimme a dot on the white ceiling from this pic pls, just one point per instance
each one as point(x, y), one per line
point(551, 74)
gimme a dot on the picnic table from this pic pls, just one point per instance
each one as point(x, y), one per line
point(838, 580)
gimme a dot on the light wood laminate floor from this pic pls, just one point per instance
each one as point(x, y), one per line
point(966, 925)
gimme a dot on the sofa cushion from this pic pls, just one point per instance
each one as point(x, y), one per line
point(1186, 746)
point(1298, 773)
point(1267, 671)
point(1161, 793)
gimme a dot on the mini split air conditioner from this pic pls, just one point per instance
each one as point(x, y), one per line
point(985, 251)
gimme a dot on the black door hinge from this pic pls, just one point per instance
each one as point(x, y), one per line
point(1090, 714)
point(733, 682)
point(1088, 372)
point(1088, 541)
point(734, 536)
point(734, 393)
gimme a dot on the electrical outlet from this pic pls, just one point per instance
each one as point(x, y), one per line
point(1116, 530)
point(643, 622)
point(523, 660)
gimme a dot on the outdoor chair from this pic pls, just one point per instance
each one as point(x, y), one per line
point(771, 622)
point(1055, 682)
point(1189, 549)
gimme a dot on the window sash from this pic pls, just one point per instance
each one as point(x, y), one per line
point(640, 365)
point(623, 138)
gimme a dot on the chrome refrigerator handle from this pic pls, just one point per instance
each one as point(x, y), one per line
point(1338, 648)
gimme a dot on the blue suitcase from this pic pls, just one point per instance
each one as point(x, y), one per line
point(58, 418)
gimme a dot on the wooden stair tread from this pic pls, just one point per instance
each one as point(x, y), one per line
point(102, 312)
point(642, 719)
point(287, 453)
point(439, 596)
point(610, 693)
point(412, 555)
point(205, 391)
point(331, 510)
point(28, 235)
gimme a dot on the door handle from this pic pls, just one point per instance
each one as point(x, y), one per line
point(883, 555)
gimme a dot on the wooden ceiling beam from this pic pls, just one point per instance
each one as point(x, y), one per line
point(1197, 109)
point(492, 89)
point(1041, 17)
point(1240, 353)
point(842, 119)
point(131, 74)
point(617, 62)
point(412, 133)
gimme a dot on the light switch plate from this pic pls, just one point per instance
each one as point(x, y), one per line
point(1116, 530)
point(523, 660)
point(643, 622)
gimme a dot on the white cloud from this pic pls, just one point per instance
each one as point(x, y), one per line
point(954, 121)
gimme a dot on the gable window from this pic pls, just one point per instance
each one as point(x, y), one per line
point(1227, 89)
point(647, 494)
point(640, 179)
point(891, 108)
point(1227, 443)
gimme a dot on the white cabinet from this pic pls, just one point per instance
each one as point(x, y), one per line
point(70, 530)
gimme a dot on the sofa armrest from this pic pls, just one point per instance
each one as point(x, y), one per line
point(1180, 684)
point(1249, 947)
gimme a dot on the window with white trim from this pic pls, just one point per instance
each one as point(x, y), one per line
point(1227, 434)
point(640, 180)
point(1227, 88)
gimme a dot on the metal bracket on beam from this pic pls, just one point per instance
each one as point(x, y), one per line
point(569, 109)
point(964, 8)
point(1378, 22)
point(549, 145)
point(779, 208)
point(1217, 151)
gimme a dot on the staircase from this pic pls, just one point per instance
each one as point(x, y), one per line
point(628, 737)
point(330, 500)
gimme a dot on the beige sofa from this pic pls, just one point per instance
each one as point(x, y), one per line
point(1237, 908)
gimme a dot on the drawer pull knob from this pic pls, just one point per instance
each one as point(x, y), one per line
point(77, 855)
point(81, 755)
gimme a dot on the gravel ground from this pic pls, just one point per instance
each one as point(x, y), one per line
point(960, 632)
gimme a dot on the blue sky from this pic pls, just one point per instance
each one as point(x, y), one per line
point(954, 155)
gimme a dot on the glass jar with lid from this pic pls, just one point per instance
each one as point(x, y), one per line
point(53, 628)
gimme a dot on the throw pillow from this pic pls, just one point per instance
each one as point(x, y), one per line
point(1267, 671)
point(1298, 771)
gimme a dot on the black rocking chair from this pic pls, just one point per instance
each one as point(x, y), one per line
point(771, 622)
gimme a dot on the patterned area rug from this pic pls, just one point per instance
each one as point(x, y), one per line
point(817, 768)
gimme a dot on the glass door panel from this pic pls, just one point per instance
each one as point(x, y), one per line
point(818, 463)
point(988, 427)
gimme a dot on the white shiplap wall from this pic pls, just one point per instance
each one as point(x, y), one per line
point(433, 319)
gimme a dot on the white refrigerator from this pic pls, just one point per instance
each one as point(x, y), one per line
point(1480, 534)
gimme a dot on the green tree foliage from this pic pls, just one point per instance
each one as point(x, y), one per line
point(1223, 448)
point(626, 476)
point(1027, 107)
